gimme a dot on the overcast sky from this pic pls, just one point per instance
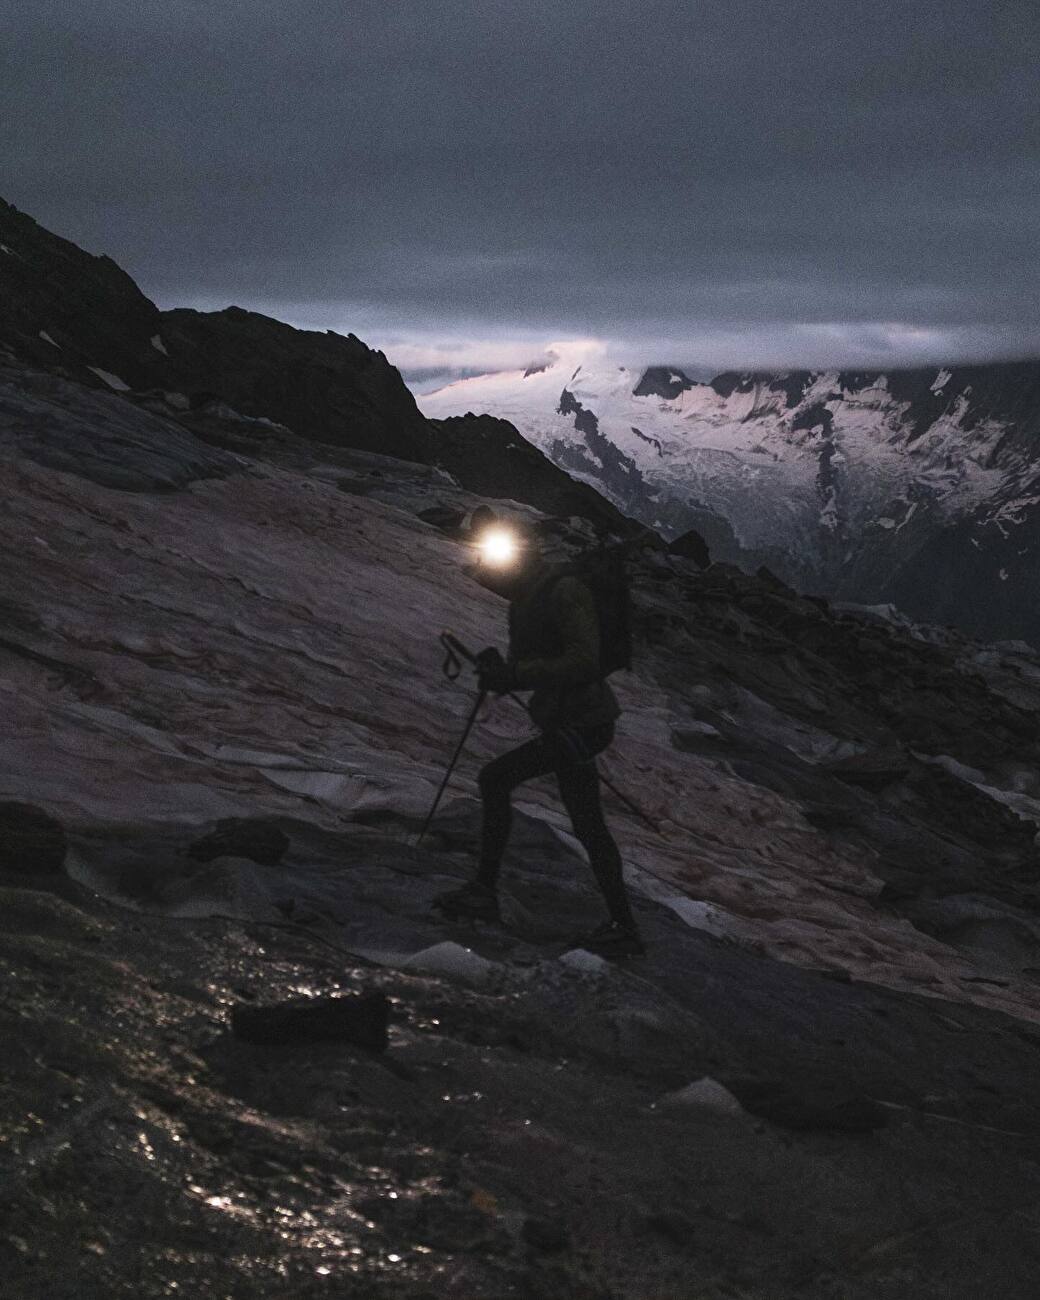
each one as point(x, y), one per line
point(462, 182)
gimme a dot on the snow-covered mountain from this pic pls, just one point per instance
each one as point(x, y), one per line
point(918, 487)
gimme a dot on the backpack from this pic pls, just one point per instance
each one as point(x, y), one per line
point(603, 571)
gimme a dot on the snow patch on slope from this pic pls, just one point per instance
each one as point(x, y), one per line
point(113, 381)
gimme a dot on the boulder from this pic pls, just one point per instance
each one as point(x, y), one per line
point(448, 519)
point(705, 1094)
point(481, 518)
point(32, 842)
point(362, 1020)
point(691, 546)
point(260, 839)
point(451, 961)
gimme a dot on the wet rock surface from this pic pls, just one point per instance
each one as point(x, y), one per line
point(513, 1140)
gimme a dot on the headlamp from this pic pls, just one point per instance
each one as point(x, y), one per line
point(499, 547)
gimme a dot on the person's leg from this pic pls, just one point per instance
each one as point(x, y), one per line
point(580, 792)
point(498, 779)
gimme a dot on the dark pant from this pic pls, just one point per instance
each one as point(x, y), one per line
point(570, 754)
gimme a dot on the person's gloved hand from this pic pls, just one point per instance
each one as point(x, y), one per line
point(493, 673)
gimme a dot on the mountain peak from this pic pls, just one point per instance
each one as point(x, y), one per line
point(662, 381)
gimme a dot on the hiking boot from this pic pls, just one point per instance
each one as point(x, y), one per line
point(473, 902)
point(612, 939)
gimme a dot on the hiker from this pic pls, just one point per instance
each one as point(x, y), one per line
point(554, 651)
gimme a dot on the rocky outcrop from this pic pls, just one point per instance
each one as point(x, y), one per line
point(490, 458)
point(595, 457)
point(662, 381)
point(691, 546)
point(322, 386)
point(238, 377)
point(81, 316)
point(68, 311)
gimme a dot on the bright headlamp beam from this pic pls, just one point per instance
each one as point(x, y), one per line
point(498, 547)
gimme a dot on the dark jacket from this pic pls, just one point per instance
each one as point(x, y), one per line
point(554, 649)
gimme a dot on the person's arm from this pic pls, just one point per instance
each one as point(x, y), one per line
point(578, 662)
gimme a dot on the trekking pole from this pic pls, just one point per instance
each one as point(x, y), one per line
point(451, 766)
point(455, 651)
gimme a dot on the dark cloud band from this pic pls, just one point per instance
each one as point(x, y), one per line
point(632, 172)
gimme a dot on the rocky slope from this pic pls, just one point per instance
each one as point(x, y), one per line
point(919, 488)
point(224, 720)
point(221, 681)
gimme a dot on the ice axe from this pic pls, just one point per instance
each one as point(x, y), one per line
point(455, 652)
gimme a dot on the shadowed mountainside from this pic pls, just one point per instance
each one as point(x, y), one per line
point(81, 317)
